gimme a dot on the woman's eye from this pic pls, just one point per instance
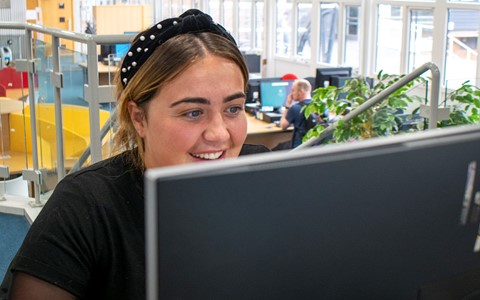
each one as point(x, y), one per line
point(194, 114)
point(234, 109)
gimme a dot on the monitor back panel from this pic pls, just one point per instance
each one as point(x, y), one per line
point(253, 61)
point(377, 224)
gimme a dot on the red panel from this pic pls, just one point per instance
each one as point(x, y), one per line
point(11, 79)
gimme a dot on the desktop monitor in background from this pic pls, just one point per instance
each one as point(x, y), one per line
point(339, 81)
point(386, 218)
point(254, 62)
point(253, 87)
point(121, 50)
point(115, 51)
point(273, 94)
point(323, 76)
point(106, 51)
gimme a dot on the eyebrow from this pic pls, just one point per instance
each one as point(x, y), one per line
point(201, 100)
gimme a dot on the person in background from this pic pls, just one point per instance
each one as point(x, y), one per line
point(181, 96)
point(299, 96)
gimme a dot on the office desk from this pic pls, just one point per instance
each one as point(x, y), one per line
point(267, 134)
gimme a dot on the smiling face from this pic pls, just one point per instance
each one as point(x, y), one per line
point(198, 116)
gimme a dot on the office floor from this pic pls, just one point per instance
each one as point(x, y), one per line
point(13, 229)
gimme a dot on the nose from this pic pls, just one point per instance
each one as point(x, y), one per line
point(216, 129)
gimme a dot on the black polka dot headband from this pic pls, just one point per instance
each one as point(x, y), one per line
point(191, 21)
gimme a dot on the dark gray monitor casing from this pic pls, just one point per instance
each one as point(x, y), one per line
point(386, 218)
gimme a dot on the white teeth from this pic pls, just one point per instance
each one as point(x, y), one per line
point(208, 155)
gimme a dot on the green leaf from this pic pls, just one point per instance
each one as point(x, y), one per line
point(381, 119)
point(476, 102)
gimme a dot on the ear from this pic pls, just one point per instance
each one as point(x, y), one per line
point(138, 118)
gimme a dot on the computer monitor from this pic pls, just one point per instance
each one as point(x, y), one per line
point(112, 54)
point(339, 81)
point(273, 94)
point(253, 87)
point(118, 51)
point(323, 76)
point(106, 51)
point(121, 50)
point(253, 61)
point(385, 218)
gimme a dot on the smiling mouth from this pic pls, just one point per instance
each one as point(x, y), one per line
point(208, 156)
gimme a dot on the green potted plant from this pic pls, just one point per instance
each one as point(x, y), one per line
point(386, 117)
point(465, 105)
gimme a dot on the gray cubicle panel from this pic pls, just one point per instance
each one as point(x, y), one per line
point(387, 218)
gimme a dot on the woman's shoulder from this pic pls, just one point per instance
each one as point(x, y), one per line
point(100, 185)
point(117, 173)
point(112, 166)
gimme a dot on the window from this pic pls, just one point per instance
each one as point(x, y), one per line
point(245, 25)
point(352, 41)
point(187, 4)
point(176, 7)
point(328, 47)
point(284, 27)
point(259, 25)
point(421, 38)
point(214, 10)
point(389, 39)
point(465, 1)
point(405, 35)
point(228, 17)
point(304, 20)
point(462, 46)
point(166, 12)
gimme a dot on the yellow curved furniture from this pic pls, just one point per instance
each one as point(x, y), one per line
point(76, 132)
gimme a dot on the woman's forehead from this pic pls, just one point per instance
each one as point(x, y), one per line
point(215, 78)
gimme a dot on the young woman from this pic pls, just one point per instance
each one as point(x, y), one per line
point(181, 96)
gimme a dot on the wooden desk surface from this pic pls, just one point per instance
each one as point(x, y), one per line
point(263, 133)
point(256, 126)
point(102, 68)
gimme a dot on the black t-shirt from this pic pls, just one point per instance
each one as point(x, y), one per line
point(89, 238)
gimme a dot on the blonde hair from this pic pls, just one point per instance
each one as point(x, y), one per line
point(165, 63)
point(303, 85)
